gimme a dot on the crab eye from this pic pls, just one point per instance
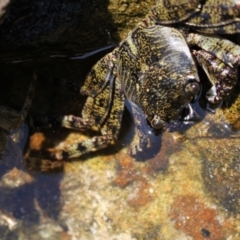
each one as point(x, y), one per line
point(157, 123)
point(192, 88)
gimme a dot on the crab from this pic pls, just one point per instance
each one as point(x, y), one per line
point(11, 122)
point(155, 70)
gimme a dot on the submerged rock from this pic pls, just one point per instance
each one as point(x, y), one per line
point(217, 144)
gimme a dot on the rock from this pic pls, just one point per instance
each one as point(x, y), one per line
point(56, 27)
point(4, 7)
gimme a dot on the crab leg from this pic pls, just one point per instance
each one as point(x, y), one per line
point(222, 77)
point(96, 80)
point(219, 59)
point(109, 131)
point(102, 73)
point(94, 112)
point(225, 50)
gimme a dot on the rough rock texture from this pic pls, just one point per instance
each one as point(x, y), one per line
point(60, 27)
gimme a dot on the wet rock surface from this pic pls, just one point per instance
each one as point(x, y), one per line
point(221, 171)
point(217, 141)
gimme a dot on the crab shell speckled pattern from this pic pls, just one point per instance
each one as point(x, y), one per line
point(156, 65)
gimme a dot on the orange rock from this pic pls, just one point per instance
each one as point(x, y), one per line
point(194, 218)
point(127, 172)
point(142, 194)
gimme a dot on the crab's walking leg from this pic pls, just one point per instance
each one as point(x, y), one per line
point(104, 71)
point(102, 110)
point(220, 59)
point(109, 129)
point(96, 80)
point(222, 77)
point(225, 50)
point(98, 87)
point(94, 113)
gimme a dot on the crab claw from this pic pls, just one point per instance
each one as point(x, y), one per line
point(192, 116)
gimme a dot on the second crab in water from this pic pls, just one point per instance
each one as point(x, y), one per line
point(154, 69)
